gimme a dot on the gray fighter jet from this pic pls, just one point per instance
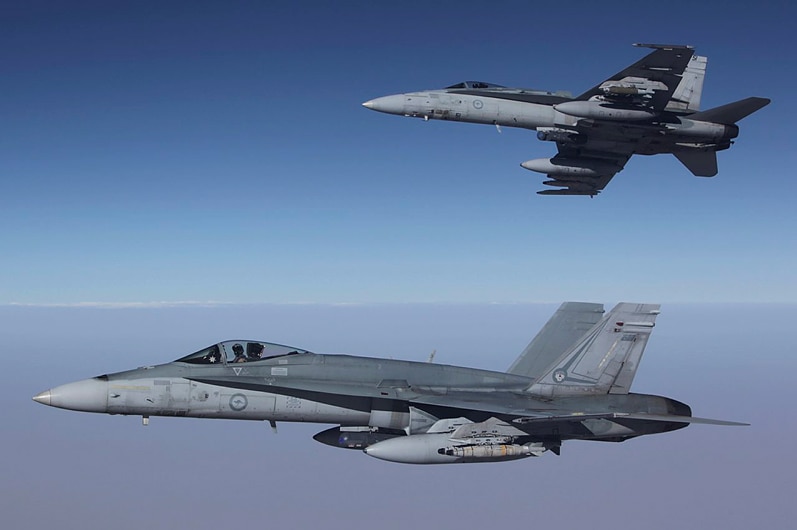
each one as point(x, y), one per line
point(572, 382)
point(651, 107)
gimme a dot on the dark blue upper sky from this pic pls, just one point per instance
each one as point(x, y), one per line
point(218, 151)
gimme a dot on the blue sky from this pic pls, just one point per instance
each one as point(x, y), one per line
point(218, 151)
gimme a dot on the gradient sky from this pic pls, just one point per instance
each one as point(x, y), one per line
point(70, 470)
point(158, 154)
point(196, 151)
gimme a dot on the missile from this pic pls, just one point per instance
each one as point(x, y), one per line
point(597, 110)
point(554, 134)
point(625, 90)
point(591, 193)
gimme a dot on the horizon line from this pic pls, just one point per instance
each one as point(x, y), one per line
point(165, 304)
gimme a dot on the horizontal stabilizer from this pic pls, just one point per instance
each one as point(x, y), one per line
point(732, 112)
point(683, 419)
point(700, 163)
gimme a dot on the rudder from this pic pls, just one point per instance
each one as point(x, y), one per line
point(687, 95)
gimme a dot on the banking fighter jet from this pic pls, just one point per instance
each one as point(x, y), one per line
point(572, 382)
point(649, 108)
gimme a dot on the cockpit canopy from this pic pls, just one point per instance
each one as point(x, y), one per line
point(239, 351)
point(474, 84)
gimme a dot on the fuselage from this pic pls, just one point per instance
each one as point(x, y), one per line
point(557, 116)
point(650, 107)
point(298, 386)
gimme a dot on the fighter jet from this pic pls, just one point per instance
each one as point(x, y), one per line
point(651, 107)
point(572, 382)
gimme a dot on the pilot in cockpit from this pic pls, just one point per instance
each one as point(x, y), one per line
point(238, 350)
point(254, 351)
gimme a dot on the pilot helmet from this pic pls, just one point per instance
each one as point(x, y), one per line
point(237, 349)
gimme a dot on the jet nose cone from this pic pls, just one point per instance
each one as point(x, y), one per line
point(42, 397)
point(89, 395)
point(388, 104)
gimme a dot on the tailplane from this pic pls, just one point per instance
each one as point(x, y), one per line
point(605, 360)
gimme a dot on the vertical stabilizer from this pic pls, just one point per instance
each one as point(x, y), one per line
point(605, 360)
point(700, 163)
point(570, 322)
point(686, 97)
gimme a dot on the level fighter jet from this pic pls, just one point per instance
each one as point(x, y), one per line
point(651, 107)
point(572, 382)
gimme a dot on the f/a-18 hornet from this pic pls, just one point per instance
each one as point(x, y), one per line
point(572, 382)
point(651, 107)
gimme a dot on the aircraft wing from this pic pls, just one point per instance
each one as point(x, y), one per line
point(669, 78)
point(607, 157)
point(660, 72)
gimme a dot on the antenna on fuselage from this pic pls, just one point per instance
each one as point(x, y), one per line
point(431, 357)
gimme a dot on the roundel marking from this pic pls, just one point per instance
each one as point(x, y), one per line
point(559, 376)
point(477, 104)
point(238, 402)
